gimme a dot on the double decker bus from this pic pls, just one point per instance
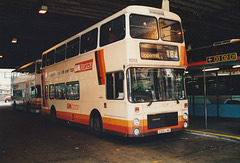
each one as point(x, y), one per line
point(26, 87)
point(124, 75)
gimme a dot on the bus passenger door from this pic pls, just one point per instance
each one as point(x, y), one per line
point(116, 107)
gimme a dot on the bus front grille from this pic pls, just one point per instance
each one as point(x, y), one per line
point(162, 120)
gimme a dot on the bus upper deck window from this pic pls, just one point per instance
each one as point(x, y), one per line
point(44, 59)
point(89, 41)
point(38, 67)
point(170, 30)
point(112, 31)
point(60, 52)
point(143, 27)
point(50, 58)
point(72, 48)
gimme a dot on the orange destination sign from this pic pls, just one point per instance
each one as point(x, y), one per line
point(221, 58)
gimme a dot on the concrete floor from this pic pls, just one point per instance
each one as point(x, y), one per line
point(226, 126)
point(27, 138)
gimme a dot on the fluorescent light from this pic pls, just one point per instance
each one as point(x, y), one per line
point(211, 69)
point(236, 66)
point(43, 9)
point(1, 56)
point(14, 40)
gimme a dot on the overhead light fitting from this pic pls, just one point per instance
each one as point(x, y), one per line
point(211, 69)
point(236, 66)
point(14, 40)
point(1, 56)
point(43, 9)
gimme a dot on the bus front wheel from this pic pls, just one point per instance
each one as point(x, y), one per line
point(95, 125)
point(53, 116)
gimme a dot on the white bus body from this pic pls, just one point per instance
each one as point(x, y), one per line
point(26, 87)
point(111, 87)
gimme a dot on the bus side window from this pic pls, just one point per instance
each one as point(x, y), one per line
point(38, 67)
point(17, 93)
point(38, 91)
point(51, 91)
point(112, 31)
point(72, 90)
point(50, 58)
point(114, 85)
point(33, 91)
point(44, 59)
point(89, 41)
point(60, 54)
point(72, 48)
point(46, 92)
point(60, 91)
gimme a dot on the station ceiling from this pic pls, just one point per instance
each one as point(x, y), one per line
point(204, 22)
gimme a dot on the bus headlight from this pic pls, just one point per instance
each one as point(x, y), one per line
point(136, 122)
point(185, 116)
point(136, 132)
point(185, 124)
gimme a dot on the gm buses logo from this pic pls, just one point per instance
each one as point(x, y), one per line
point(83, 66)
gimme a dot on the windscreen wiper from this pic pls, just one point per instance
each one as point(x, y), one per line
point(150, 103)
point(177, 101)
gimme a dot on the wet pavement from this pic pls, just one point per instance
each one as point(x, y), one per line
point(27, 138)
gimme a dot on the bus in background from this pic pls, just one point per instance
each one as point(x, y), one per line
point(26, 87)
point(124, 75)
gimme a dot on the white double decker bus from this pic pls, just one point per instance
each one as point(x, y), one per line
point(26, 87)
point(124, 75)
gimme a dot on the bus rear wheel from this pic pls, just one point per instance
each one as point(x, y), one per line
point(28, 107)
point(53, 116)
point(15, 106)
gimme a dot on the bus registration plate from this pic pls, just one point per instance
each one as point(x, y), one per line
point(166, 130)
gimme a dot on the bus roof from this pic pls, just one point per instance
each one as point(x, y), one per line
point(26, 65)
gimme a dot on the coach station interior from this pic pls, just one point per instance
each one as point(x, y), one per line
point(213, 90)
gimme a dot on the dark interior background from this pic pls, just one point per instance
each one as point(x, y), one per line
point(204, 22)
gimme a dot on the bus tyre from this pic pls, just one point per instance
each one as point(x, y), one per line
point(14, 106)
point(96, 125)
point(53, 116)
point(28, 108)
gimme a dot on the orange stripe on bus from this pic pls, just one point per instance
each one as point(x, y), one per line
point(101, 69)
point(118, 125)
point(183, 56)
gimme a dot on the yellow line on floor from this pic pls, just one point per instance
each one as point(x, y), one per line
point(165, 159)
point(209, 133)
point(201, 132)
